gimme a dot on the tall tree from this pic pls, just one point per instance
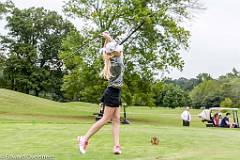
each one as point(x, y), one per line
point(2, 60)
point(231, 89)
point(154, 47)
point(170, 95)
point(157, 42)
point(5, 7)
point(209, 93)
point(184, 83)
point(234, 74)
point(32, 45)
point(204, 77)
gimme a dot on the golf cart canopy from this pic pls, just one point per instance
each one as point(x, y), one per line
point(223, 109)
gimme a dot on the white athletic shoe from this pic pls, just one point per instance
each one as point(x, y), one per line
point(82, 142)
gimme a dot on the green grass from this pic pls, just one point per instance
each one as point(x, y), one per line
point(35, 126)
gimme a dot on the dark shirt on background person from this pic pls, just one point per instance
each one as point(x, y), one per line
point(225, 121)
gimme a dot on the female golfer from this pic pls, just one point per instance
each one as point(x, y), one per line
point(113, 72)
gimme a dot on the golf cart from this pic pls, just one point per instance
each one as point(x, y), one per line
point(213, 116)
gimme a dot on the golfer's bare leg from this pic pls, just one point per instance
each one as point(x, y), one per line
point(116, 126)
point(108, 113)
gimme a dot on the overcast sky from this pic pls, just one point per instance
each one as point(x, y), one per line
point(215, 44)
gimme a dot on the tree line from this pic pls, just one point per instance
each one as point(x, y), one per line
point(44, 54)
point(205, 91)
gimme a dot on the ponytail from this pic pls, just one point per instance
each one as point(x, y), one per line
point(106, 72)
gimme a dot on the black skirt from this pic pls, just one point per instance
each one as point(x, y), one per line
point(111, 97)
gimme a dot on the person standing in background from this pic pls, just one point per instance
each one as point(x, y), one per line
point(186, 117)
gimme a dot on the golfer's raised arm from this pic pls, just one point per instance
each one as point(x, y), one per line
point(107, 37)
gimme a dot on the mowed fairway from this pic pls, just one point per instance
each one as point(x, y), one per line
point(35, 126)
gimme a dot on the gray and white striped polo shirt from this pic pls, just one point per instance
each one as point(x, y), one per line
point(117, 69)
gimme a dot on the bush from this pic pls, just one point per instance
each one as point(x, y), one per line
point(227, 102)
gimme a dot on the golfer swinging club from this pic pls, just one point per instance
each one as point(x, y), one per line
point(113, 72)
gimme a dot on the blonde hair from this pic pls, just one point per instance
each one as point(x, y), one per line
point(106, 72)
point(109, 46)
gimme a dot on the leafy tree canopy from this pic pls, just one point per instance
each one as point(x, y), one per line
point(155, 46)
